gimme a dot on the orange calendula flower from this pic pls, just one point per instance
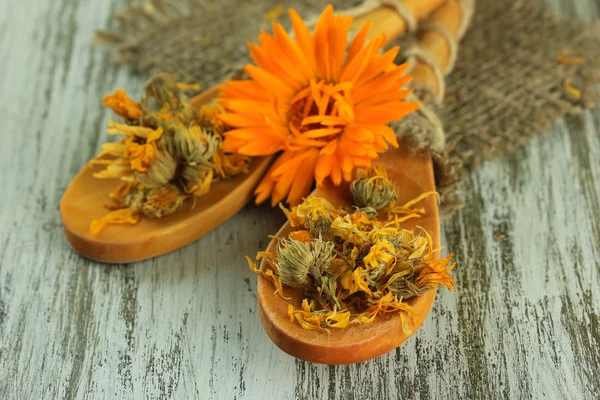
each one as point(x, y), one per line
point(123, 105)
point(321, 102)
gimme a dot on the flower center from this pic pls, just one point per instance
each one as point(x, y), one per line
point(320, 111)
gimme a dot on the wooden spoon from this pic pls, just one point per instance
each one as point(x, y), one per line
point(86, 197)
point(386, 20)
point(413, 176)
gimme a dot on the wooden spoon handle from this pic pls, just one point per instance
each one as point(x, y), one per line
point(450, 17)
point(387, 20)
point(445, 25)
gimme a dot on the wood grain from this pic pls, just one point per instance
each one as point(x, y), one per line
point(523, 323)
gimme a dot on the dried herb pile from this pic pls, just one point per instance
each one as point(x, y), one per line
point(355, 264)
point(171, 152)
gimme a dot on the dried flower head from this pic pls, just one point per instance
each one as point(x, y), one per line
point(170, 152)
point(122, 105)
point(323, 103)
point(208, 117)
point(164, 89)
point(317, 215)
point(161, 171)
point(298, 261)
point(196, 145)
point(365, 268)
point(162, 201)
point(373, 191)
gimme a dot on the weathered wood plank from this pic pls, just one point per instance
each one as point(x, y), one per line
point(524, 322)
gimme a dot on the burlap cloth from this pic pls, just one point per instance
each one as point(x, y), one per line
point(506, 86)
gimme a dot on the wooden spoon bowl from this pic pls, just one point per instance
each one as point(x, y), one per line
point(413, 176)
point(86, 197)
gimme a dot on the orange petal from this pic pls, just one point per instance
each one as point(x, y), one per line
point(239, 121)
point(339, 40)
point(317, 133)
point(270, 81)
point(288, 172)
point(323, 168)
point(357, 44)
point(383, 115)
point(265, 188)
point(304, 39)
point(232, 145)
point(260, 148)
point(243, 89)
point(387, 133)
point(336, 171)
point(304, 179)
point(385, 97)
point(297, 60)
point(378, 64)
point(362, 162)
point(303, 141)
point(252, 133)
point(360, 134)
point(322, 43)
point(330, 148)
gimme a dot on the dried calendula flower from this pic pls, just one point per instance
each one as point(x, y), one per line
point(164, 89)
point(140, 156)
point(160, 172)
point(121, 104)
point(161, 201)
point(316, 214)
point(170, 152)
point(195, 145)
point(365, 267)
point(208, 118)
point(298, 261)
point(373, 191)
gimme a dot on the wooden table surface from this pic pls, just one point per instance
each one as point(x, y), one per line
point(524, 321)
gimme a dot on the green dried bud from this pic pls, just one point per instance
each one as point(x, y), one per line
point(163, 88)
point(405, 287)
point(160, 173)
point(328, 288)
point(135, 200)
point(194, 145)
point(373, 193)
point(317, 214)
point(369, 212)
point(196, 180)
point(299, 261)
point(319, 226)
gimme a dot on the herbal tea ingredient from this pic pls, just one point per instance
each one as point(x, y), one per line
point(354, 264)
point(171, 152)
point(322, 101)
